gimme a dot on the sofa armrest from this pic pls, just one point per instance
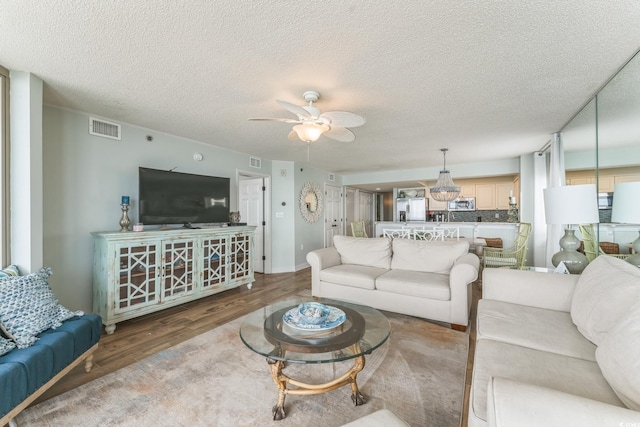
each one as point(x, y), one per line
point(512, 403)
point(319, 260)
point(533, 288)
point(462, 274)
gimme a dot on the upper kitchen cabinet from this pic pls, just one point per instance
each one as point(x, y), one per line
point(435, 205)
point(504, 190)
point(494, 195)
point(485, 196)
point(468, 190)
point(490, 193)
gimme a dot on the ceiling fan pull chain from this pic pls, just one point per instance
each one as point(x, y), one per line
point(308, 148)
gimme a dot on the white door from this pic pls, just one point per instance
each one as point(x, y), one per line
point(365, 200)
point(251, 207)
point(333, 214)
point(351, 213)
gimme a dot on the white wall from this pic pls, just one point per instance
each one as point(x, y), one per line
point(84, 178)
point(283, 217)
point(308, 236)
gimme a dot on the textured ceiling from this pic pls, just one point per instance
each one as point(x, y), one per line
point(487, 79)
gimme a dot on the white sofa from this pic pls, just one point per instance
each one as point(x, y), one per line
point(419, 278)
point(558, 350)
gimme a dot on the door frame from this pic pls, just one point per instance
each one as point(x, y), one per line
point(266, 214)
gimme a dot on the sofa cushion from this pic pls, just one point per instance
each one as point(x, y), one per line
point(426, 256)
point(567, 374)
point(415, 284)
point(606, 279)
point(358, 276)
point(618, 356)
point(363, 251)
point(530, 327)
point(23, 371)
point(28, 307)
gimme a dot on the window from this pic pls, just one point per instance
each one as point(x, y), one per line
point(4, 167)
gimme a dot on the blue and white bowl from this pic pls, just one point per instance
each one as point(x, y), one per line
point(313, 313)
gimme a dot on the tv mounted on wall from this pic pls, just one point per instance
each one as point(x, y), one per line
point(182, 198)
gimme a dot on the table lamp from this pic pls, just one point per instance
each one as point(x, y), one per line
point(626, 209)
point(572, 204)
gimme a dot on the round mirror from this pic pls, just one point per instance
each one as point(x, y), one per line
point(311, 202)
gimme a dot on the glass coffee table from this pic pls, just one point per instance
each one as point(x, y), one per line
point(350, 332)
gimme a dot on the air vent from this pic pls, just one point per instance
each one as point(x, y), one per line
point(255, 162)
point(332, 177)
point(104, 129)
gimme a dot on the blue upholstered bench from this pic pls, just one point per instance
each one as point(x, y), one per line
point(27, 373)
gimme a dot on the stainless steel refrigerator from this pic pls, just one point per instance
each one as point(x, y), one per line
point(412, 209)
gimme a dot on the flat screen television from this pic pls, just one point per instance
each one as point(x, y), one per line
point(182, 198)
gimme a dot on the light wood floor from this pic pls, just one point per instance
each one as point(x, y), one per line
point(138, 338)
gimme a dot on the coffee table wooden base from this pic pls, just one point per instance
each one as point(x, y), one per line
point(281, 380)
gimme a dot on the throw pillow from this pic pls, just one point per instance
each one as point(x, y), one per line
point(605, 291)
point(363, 251)
point(29, 307)
point(11, 270)
point(6, 346)
point(618, 357)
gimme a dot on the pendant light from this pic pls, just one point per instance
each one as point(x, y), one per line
point(444, 190)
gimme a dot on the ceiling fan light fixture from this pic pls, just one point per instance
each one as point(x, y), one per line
point(444, 190)
point(310, 132)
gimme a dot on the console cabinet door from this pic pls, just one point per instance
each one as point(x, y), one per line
point(214, 267)
point(178, 268)
point(137, 268)
point(240, 262)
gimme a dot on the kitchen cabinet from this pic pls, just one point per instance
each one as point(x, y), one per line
point(626, 178)
point(136, 273)
point(606, 184)
point(485, 196)
point(468, 190)
point(435, 205)
point(503, 191)
point(581, 181)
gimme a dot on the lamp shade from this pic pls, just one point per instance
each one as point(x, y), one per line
point(310, 132)
point(626, 203)
point(571, 204)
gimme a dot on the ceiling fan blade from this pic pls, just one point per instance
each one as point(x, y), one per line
point(275, 120)
point(293, 136)
point(298, 111)
point(343, 119)
point(340, 134)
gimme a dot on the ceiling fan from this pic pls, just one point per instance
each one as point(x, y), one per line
point(311, 124)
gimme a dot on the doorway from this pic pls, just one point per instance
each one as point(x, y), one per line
point(253, 204)
point(333, 218)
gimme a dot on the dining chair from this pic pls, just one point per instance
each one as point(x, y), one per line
point(429, 234)
point(589, 242)
point(396, 233)
point(513, 256)
point(449, 232)
point(358, 229)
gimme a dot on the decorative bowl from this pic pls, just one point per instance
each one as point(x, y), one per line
point(313, 313)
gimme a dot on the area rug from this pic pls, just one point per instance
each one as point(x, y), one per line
point(214, 380)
